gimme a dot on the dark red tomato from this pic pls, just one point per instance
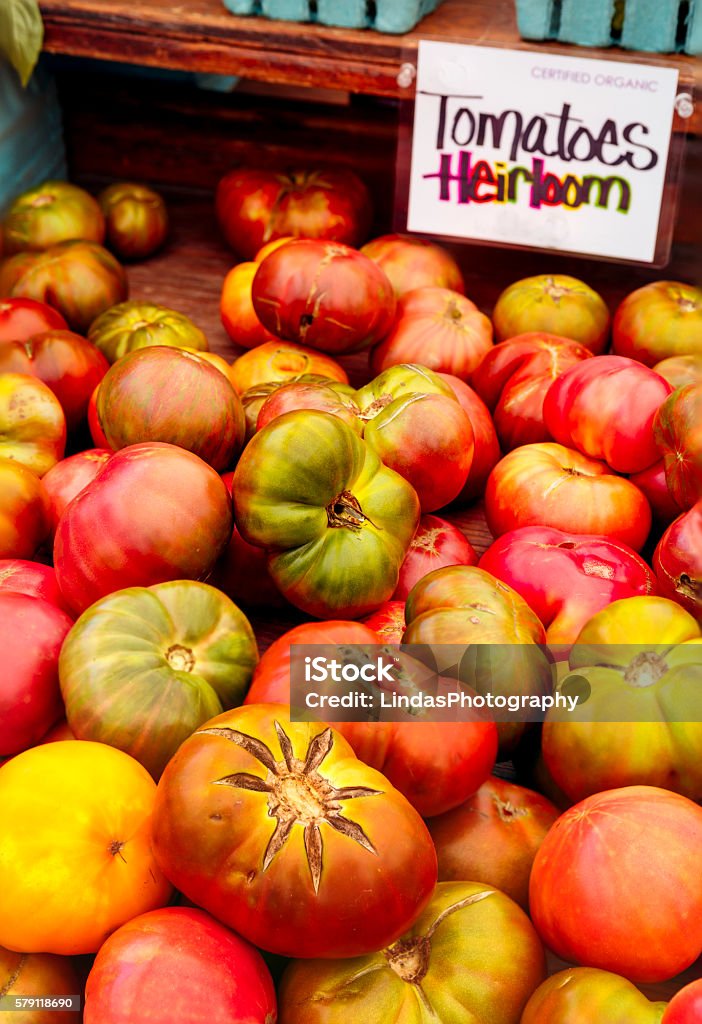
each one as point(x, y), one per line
point(435, 544)
point(616, 883)
point(178, 964)
point(584, 409)
point(68, 478)
point(686, 1005)
point(388, 622)
point(493, 837)
point(30, 578)
point(255, 206)
point(486, 453)
point(154, 513)
point(514, 377)
point(677, 561)
point(566, 578)
point(31, 634)
point(71, 366)
point(21, 319)
point(324, 295)
point(653, 485)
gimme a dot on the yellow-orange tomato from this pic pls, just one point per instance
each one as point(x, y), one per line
point(236, 307)
point(75, 847)
point(32, 422)
point(24, 513)
point(283, 360)
point(219, 362)
point(270, 247)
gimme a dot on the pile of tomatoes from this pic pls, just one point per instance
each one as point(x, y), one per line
point(200, 854)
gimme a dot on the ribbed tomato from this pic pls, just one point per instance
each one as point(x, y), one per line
point(281, 361)
point(133, 325)
point(55, 211)
point(411, 263)
point(662, 319)
point(555, 303)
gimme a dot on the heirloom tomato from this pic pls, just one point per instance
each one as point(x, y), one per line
point(277, 829)
point(616, 884)
point(641, 721)
point(96, 431)
point(255, 397)
point(388, 622)
point(30, 578)
point(143, 668)
point(493, 837)
point(32, 423)
point(337, 523)
point(255, 206)
point(241, 572)
point(323, 294)
point(134, 325)
point(514, 377)
point(314, 395)
point(236, 308)
point(21, 319)
point(32, 977)
point(435, 544)
point(283, 361)
point(566, 577)
point(680, 370)
point(583, 410)
point(435, 765)
point(65, 362)
point(153, 513)
point(81, 279)
point(24, 515)
point(166, 394)
point(136, 219)
point(557, 304)
point(438, 328)
point(486, 447)
point(178, 964)
point(550, 485)
point(653, 485)
point(414, 263)
point(584, 995)
point(660, 320)
point(31, 633)
point(677, 561)
point(472, 955)
point(686, 1005)
point(75, 846)
point(678, 433)
point(53, 212)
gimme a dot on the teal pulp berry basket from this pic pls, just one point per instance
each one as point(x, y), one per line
point(653, 26)
point(381, 15)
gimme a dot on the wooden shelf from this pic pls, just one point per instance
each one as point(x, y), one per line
point(200, 35)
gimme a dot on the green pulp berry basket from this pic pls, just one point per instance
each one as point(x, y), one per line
point(381, 15)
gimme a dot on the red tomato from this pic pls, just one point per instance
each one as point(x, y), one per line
point(277, 829)
point(31, 634)
point(388, 622)
point(178, 964)
point(68, 478)
point(584, 409)
point(30, 578)
point(566, 577)
point(323, 294)
point(435, 544)
point(493, 837)
point(236, 308)
point(686, 1005)
point(514, 377)
point(555, 303)
point(154, 513)
point(616, 883)
point(24, 518)
point(652, 484)
point(677, 561)
point(549, 485)
point(302, 395)
point(241, 572)
point(438, 328)
point(414, 263)
point(678, 432)
point(96, 431)
point(486, 453)
point(255, 206)
point(21, 319)
point(67, 363)
point(661, 319)
point(32, 423)
point(282, 360)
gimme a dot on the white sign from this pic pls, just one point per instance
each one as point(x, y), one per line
point(540, 150)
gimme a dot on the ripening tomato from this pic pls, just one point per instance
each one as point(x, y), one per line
point(75, 845)
point(136, 219)
point(486, 447)
point(21, 319)
point(678, 432)
point(435, 544)
point(55, 211)
point(277, 829)
point(662, 319)
point(677, 561)
point(135, 325)
point(282, 361)
point(388, 622)
point(24, 515)
point(32, 423)
point(616, 884)
point(584, 995)
point(414, 263)
point(555, 303)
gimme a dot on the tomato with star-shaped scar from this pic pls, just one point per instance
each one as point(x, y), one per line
point(277, 829)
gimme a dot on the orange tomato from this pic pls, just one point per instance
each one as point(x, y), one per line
point(75, 847)
point(282, 360)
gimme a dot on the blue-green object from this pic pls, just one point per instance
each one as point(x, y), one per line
point(651, 26)
point(32, 149)
point(394, 16)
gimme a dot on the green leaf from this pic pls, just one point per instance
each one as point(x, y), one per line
point(21, 35)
